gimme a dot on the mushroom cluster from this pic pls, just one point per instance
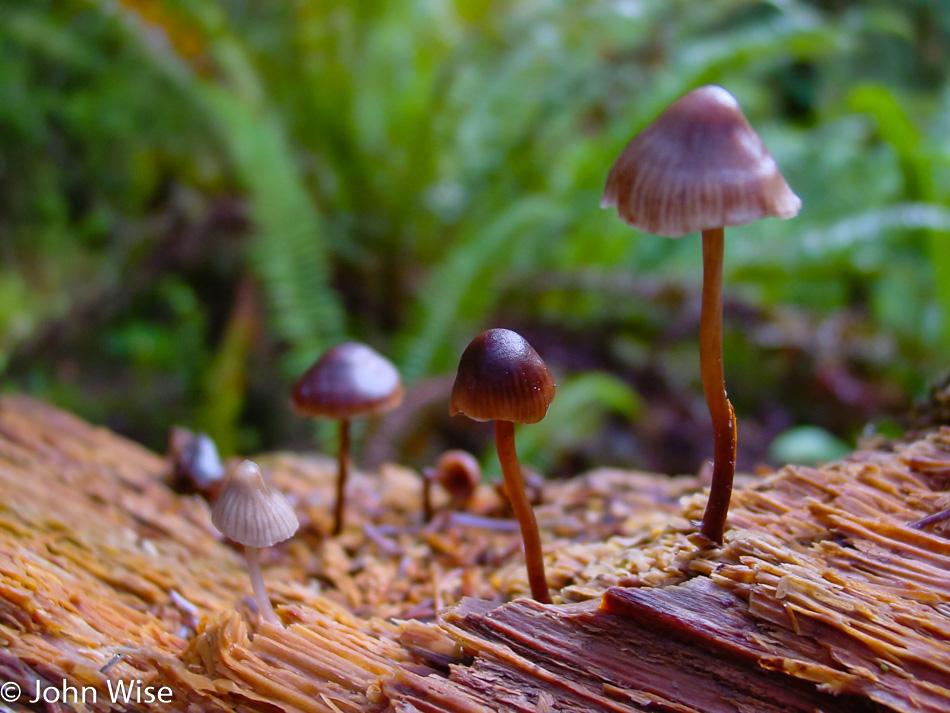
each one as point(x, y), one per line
point(698, 167)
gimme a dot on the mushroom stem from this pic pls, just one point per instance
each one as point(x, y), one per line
point(714, 388)
point(427, 478)
point(514, 486)
point(252, 556)
point(343, 467)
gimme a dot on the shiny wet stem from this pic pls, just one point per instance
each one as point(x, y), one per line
point(514, 486)
point(714, 388)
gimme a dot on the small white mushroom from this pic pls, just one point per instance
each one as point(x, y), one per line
point(253, 513)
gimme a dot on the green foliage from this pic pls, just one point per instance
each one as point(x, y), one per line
point(288, 250)
point(411, 173)
point(466, 285)
point(579, 410)
point(83, 153)
point(807, 445)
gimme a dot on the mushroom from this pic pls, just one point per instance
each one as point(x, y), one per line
point(196, 465)
point(458, 473)
point(501, 378)
point(254, 514)
point(701, 166)
point(348, 381)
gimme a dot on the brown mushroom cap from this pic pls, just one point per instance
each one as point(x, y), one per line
point(501, 378)
point(349, 380)
point(699, 165)
point(459, 473)
point(250, 511)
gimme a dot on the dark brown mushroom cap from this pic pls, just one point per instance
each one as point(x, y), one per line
point(501, 378)
point(348, 381)
point(699, 165)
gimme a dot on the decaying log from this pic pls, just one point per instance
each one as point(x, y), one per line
point(822, 598)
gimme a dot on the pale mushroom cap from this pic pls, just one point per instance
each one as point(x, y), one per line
point(349, 380)
point(501, 378)
point(699, 165)
point(250, 511)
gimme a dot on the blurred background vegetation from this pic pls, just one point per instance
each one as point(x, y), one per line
point(197, 197)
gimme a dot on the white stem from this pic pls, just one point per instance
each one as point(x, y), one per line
point(253, 557)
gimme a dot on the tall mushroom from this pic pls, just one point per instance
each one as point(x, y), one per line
point(501, 378)
point(701, 166)
point(256, 515)
point(348, 381)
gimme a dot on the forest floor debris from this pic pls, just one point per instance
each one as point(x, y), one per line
point(822, 596)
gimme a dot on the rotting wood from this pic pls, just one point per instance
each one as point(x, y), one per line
point(822, 597)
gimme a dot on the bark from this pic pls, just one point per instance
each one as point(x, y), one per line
point(821, 598)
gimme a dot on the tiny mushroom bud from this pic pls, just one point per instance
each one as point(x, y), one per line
point(253, 513)
point(501, 378)
point(348, 381)
point(458, 473)
point(700, 166)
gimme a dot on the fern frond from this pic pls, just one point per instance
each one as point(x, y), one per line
point(463, 286)
point(288, 250)
point(578, 411)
